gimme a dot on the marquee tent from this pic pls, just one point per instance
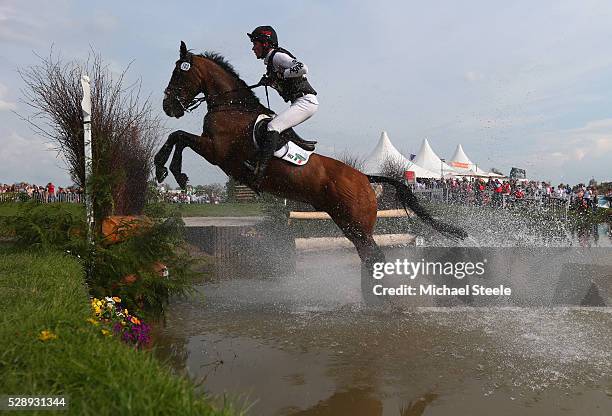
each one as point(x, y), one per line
point(464, 166)
point(429, 160)
point(385, 151)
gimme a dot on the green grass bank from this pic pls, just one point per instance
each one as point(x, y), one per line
point(230, 209)
point(99, 374)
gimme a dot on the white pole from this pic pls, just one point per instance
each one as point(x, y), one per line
point(86, 106)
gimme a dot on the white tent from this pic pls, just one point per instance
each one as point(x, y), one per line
point(420, 172)
point(429, 160)
point(464, 166)
point(385, 151)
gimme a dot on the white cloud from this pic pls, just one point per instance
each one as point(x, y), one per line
point(585, 150)
point(30, 159)
point(15, 27)
point(473, 76)
point(4, 104)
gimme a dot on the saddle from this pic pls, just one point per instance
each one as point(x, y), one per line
point(288, 135)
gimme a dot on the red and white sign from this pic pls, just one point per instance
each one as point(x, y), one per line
point(460, 165)
point(410, 176)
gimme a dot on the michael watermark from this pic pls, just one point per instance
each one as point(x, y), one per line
point(456, 271)
point(442, 290)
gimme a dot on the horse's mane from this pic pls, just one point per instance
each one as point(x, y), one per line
point(223, 63)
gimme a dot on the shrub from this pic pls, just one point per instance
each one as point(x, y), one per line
point(48, 227)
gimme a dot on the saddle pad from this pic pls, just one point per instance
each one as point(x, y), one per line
point(290, 151)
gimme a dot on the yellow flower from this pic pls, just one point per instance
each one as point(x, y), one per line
point(106, 333)
point(93, 321)
point(117, 299)
point(46, 335)
point(135, 320)
point(125, 311)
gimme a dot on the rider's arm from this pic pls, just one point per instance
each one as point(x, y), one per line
point(289, 67)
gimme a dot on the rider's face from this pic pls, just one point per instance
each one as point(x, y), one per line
point(259, 49)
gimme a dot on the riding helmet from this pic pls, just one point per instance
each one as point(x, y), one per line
point(264, 34)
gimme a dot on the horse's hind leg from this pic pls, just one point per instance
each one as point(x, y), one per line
point(361, 236)
point(369, 252)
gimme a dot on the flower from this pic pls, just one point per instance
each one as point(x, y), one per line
point(46, 335)
point(93, 321)
point(117, 299)
point(106, 332)
point(135, 320)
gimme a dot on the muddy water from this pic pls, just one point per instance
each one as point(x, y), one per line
point(306, 343)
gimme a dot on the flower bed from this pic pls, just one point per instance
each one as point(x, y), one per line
point(112, 315)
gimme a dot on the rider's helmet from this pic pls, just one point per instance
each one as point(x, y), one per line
point(264, 34)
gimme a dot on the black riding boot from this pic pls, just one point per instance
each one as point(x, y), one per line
point(265, 153)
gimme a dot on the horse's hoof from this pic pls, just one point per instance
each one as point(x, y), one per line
point(182, 180)
point(160, 173)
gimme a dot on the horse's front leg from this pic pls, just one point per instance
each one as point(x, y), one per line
point(163, 154)
point(202, 145)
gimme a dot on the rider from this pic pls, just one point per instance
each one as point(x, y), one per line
point(286, 75)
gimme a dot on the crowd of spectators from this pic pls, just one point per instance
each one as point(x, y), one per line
point(24, 191)
point(474, 191)
point(500, 191)
point(192, 198)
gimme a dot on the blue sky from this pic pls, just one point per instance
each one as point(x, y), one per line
point(526, 84)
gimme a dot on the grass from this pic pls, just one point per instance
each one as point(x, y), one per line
point(8, 209)
point(99, 374)
point(187, 210)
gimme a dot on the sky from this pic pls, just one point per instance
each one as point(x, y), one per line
point(522, 83)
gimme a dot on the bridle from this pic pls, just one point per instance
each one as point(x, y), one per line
point(197, 101)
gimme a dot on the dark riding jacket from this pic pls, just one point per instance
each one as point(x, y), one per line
point(288, 75)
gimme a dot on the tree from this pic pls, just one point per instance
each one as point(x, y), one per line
point(124, 128)
point(352, 160)
point(394, 168)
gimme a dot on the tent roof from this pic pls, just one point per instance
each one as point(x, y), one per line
point(460, 156)
point(384, 151)
point(428, 159)
point(471, 169)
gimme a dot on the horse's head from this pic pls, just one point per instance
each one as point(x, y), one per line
point(184, 85)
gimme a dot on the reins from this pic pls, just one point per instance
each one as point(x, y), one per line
point(196, 102)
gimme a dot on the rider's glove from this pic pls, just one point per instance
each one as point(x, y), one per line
point(265, 81)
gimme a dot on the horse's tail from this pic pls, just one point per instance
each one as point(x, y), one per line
point(409, 200)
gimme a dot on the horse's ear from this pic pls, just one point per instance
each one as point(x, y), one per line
point(183, 49)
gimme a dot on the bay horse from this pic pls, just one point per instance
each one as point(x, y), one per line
point(226, 141)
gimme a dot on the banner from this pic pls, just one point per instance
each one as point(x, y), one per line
point(410, 176)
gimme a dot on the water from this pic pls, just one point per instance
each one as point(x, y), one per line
point(308, 342)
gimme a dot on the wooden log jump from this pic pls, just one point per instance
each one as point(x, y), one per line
point(388, 213)
point(331, 243)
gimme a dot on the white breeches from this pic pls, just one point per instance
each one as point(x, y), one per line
point(300, 110)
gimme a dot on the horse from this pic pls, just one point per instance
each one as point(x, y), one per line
point(327, 184)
